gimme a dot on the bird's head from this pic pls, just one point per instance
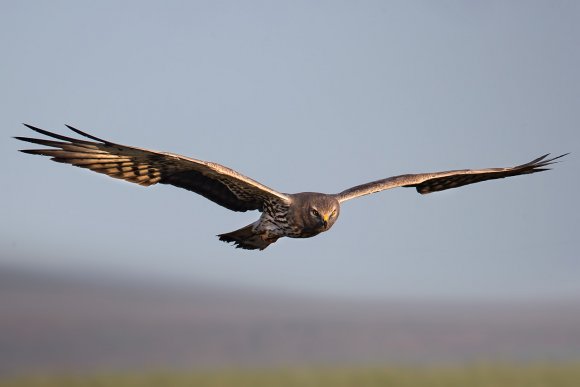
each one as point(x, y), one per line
point(319, 211)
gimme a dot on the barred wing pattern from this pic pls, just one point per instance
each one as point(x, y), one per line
point(217, 183)
point(438, 181)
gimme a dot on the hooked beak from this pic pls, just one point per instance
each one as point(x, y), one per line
point(325, 220)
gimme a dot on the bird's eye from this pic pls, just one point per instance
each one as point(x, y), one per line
point(314, 212)
point(333, 213)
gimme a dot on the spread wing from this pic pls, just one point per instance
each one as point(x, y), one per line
point(219, 184)
point(438, 181)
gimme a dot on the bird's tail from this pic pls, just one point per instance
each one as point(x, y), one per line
point(246, 238)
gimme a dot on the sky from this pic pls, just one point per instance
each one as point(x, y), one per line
point(301, 96)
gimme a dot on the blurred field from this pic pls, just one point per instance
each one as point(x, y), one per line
point(67, 332)
point(80, 325)
point(567, 375)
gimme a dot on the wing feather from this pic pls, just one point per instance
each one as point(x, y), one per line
point(438, 181)
point(216, 182)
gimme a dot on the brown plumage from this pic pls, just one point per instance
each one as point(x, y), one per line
point(299, 215)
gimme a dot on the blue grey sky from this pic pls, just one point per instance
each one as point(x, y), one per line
point(301, 96)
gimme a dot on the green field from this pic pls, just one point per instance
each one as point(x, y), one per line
point(567, 375)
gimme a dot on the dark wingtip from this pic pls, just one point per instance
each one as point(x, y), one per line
point(34, 128)
point(29, 151)
point(559, 157)
point(542, 161)
point(550, 161)
point(54, 135)
point(78, 131)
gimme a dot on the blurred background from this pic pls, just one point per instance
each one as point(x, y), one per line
point(98, 274)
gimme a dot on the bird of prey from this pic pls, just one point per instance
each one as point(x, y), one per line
point(298, 215)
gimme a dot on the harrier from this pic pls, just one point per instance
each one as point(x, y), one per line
point(298, 215)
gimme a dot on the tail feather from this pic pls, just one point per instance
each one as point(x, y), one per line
point(246, 238)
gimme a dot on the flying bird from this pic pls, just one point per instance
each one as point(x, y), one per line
point(298, 215)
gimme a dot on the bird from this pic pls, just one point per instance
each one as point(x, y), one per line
point(296, 215)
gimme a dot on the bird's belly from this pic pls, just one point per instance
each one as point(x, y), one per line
point(305, 233)
point(276, 228)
